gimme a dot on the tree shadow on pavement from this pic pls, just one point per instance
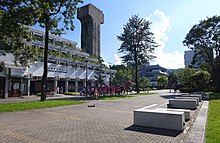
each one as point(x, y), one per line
point(157, 131)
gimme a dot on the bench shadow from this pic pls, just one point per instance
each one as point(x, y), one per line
point(171, 96)
point(156, 131)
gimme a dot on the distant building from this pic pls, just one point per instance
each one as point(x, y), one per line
point(201, 59)
point(153, 72)
point(188, 57)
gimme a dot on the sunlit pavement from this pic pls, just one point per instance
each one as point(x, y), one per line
point(109, 121)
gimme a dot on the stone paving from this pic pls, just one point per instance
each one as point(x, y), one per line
point(108, 122)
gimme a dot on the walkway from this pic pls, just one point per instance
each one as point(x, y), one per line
point(107, 122)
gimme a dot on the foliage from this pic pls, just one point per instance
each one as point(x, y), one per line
point(144, 83)
point(213, 123)
point(122, 75)
point(128, 85)
point(12, 107)
point(172, 79)
point(192, 80)
point(14, 35)
point(71, 93)
point(2, 66)
point(162, 82)
point(99, 73)
point(204, 39)
point(184, 76)
point(204, 35)
point(200, 80)
point(137, 43)
point(216, 75)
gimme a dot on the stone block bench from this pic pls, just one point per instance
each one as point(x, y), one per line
point(170, 120)
point(193, 95)
point(187, 112)
point(186, 97)
point(182, 103)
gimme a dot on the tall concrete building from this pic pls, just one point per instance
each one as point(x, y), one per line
point(188, 57)
point(91, 18)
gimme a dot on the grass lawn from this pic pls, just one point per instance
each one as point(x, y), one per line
point(213, 126)
point(11, 107)
point(114, 97)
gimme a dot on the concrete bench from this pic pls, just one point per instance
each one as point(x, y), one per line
point(193, 95)
point(186, 97)
point(182, 103)
point(187, 113)
point(159, 119)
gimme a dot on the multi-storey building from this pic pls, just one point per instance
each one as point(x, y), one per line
point(68, 67)
point(153, 73)
point(188, 57)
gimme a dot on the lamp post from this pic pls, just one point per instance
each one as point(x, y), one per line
point(86, 60)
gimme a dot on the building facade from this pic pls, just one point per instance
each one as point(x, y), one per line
point(188, 57)
point(68, 67)
point(153, 73)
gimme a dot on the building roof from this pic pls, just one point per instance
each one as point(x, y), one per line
point(155, 67)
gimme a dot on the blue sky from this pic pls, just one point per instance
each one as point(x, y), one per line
point(171, 21)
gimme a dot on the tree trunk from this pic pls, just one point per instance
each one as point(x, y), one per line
point(44, 78)
point(136, 70)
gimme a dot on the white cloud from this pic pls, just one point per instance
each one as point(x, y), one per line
point(117, 60)
point(160, 27)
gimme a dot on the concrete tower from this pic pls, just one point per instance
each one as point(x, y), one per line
point(91, 18)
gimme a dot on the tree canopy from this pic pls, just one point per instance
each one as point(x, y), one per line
point(204, 39)
point(14, 34)
point(137, 43)
point(184, 76)
point(200, 80)
point(122, 75)
point(162, 81)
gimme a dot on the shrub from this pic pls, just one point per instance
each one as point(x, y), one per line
point(71, 93)
point(38, 94)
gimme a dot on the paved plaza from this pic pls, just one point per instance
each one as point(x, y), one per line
point(108, 122)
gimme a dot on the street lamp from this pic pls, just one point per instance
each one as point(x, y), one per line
point(86, 60)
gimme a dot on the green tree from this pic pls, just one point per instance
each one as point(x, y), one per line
point(172, 79)
point(204, 39)
point(122, 75)
point(137, 43)
point(162, 81)
point(14, 34)
point(200, 80)
point(144, 83)
point(216, 75)
point(99, 73)
point(184, 76)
